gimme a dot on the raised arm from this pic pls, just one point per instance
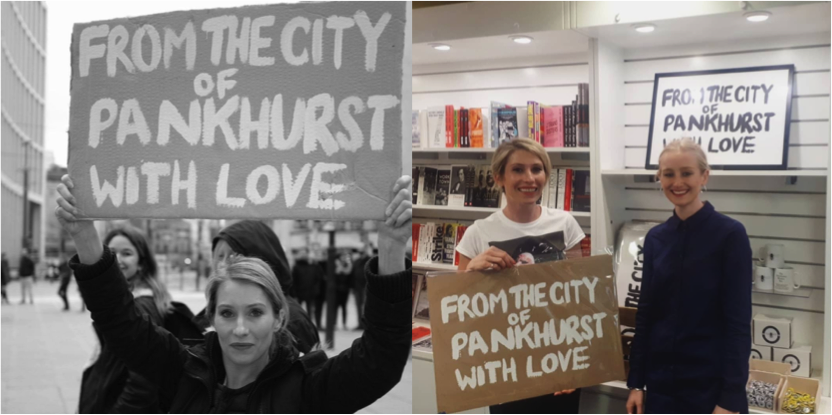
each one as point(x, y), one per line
point(150, 351)
point(375, 362)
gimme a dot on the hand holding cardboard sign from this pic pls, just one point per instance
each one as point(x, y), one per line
point(82, 231)
point(395, 231)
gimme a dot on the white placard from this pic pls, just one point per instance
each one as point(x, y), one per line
point(739, 116)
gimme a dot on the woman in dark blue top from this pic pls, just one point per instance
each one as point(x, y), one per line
point(693, 326)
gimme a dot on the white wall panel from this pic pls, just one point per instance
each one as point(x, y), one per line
point(485, 79)
point(483, 98)
point(763, 203)
point(799, 157)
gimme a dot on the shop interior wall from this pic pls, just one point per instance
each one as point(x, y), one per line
point(774, 209)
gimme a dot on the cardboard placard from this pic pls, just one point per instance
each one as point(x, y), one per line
point(289, 111)
point(523, 332)
point(739, 116)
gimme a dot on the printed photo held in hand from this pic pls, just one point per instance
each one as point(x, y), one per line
point(248, 364)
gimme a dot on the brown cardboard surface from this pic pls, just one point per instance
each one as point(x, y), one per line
point(471, 377)
point(286, 111)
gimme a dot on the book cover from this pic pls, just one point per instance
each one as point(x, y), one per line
point(437, 248)
point(466, 137)
point(537, 128)
point(449, 126)
point(443, 186)
point(470, 173)
point(561, 188)
point(495, 122)
point(460, 232)
point(418, 333)
point(530, 118)
point(475, 124)
point(429, 188)
point(574, 123)
point(457, 142)
point(425, 238)
point(480, 193)
point(522, 128)
point(507, 119)
point(553, 130)
point(586, 246)
point(415, 131)
point(553, 189)
point(458, 186)
point(414, 185)
point(567, 197)
point(450, 243)
point(581, 198)
point(436, 127)
point(414, 235)
point(424, 132)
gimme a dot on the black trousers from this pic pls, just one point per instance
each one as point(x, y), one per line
point(546, 404)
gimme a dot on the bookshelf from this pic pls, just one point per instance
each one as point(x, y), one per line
point(491, 150)
point(789, 207)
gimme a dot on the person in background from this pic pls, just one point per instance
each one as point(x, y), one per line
point(521, 169)
point(107, 386)
point(343, 282)
point(6, 277)
point(307, 276)
point(26, 274)
point(255, 239)
point(65, 276)
point(248, 364)
point(359, 282)
point(693, 332)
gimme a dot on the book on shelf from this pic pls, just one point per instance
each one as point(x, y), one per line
point(449, 236)
point(416, 141)
point(495, 122)
point(458, 186)
point(460, 232)
point(586, 246)
point(553, 126)
point(450, 126)
point(567, 201)
point(580, 193)
point(561, 189)
point(475, 126)
point(428, 191)
point(414, 236)
point(436, 127)
point(508, 128)
point(470, 172)
point(443, 186)
point(414, 184)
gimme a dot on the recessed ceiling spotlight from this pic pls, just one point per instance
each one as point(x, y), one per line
point(644, 28)
point(760, 16)
point(521, 39)
point(440, 46)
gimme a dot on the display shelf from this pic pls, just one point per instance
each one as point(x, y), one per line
point(434, 267)
point(800, 292)
point(491, 150)
point(773, 173)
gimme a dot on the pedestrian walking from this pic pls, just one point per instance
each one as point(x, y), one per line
point(343, 282)
point(65, 276)
point(307, 276)
point(26, 273)
point(248, 364)
point(6, 277)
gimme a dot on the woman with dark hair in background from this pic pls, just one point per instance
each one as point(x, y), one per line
point(255, 239)
point(107, 386)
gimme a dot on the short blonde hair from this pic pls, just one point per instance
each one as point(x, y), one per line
point(686, 145)
point(504, 151)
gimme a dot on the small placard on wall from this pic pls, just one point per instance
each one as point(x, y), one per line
point(740, 117)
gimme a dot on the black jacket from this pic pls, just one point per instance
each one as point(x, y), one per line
point(255, 239)
point(188, 376)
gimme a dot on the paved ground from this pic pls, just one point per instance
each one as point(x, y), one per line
point(45, 349)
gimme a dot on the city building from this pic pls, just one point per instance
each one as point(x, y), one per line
point(56, 239)
point(23, 73)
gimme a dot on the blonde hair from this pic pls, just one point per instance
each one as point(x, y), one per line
point(686, 145)
point(254, 271)
point(504, 151)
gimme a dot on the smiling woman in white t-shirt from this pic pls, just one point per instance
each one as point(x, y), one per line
point(521, 168)
point(523, 233)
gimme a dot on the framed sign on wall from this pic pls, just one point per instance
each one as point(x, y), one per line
point(740, 117)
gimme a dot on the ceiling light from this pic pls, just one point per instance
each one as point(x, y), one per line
point(440, 46)
point(760, 16)
point(521, 39)
point(645, 28)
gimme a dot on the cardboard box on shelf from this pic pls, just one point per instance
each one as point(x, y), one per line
point(802, 385)
point(761, 352)
point(767, 377)
point(799, 358)
point(770, 367)
point(773, 331)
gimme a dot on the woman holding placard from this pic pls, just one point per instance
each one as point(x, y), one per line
point(522, 233)
point(248, 365)
point(693, 332)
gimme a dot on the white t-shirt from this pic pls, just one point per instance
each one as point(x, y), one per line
point(545, 239)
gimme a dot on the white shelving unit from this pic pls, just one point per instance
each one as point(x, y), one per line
point(790, 206)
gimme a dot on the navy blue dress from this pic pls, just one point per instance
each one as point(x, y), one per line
point(693, 326)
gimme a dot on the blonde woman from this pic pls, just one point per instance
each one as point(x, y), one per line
point(523, 233)
point(693, 338)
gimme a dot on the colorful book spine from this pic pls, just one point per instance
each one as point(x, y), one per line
point(414, 233)
point(460, 231)
point(567, 201)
